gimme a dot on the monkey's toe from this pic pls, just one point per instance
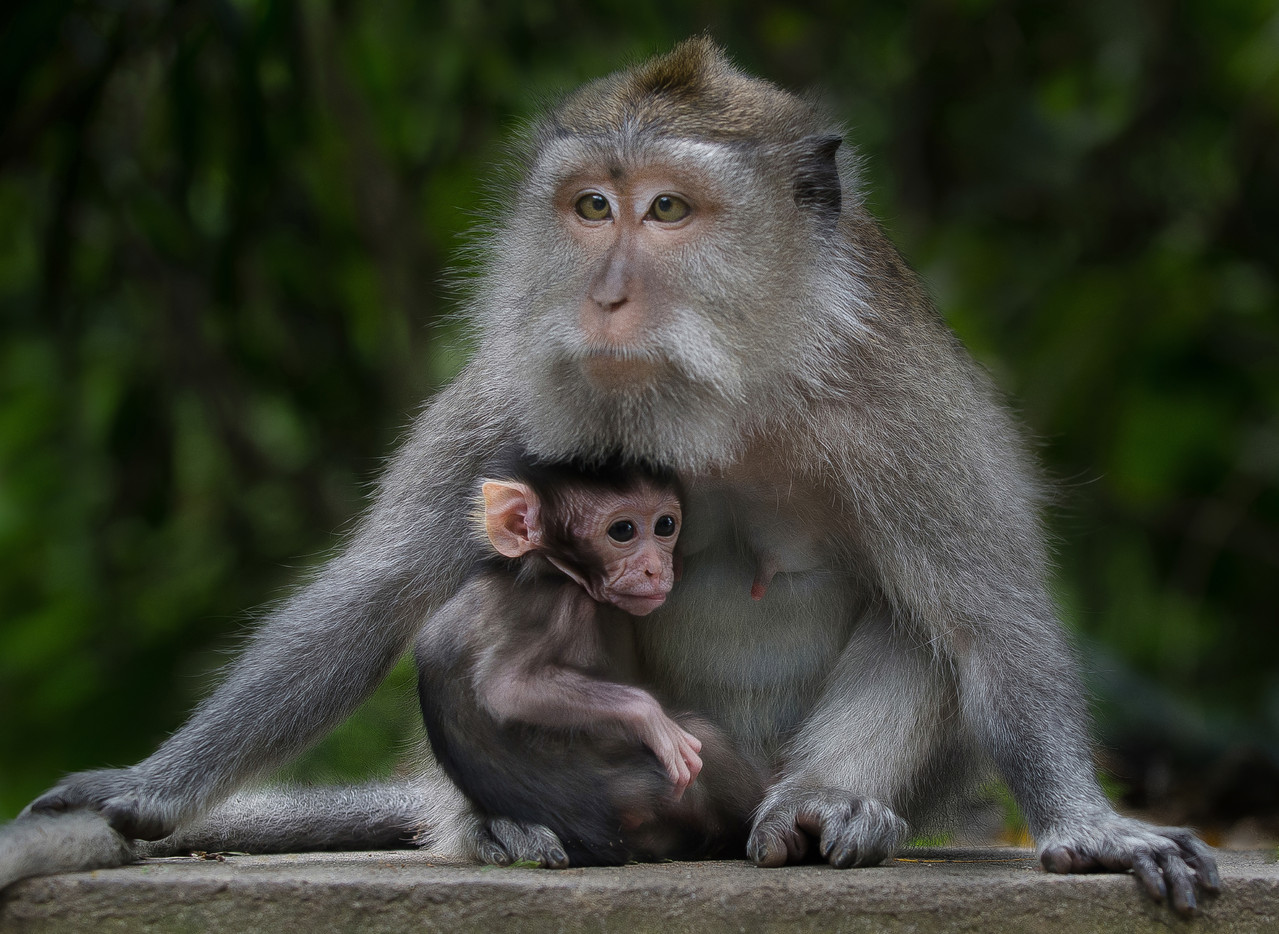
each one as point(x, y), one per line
point(526, 843)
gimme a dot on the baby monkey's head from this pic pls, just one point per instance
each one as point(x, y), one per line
point(613, 530)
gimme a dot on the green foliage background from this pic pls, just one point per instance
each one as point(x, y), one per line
point(225, 236)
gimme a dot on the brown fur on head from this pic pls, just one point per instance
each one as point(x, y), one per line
point(693, 92)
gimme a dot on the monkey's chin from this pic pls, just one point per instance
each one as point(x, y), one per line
point(609, 371)
point(637, 605)
point(667, 415)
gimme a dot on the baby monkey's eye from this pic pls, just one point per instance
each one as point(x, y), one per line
point(593, 207)
point(668, 209)
point(664, 527)
point(623, 530)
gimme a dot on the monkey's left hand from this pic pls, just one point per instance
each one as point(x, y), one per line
point(1171, 863)
point(850, 830)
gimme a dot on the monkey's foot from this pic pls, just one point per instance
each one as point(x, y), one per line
point(116, 794)
point(1171, 863)
point(43, 844)
point(502, 842)
point(851, 830)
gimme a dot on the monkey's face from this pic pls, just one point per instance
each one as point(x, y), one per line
point(633, 542)
point(654, 297)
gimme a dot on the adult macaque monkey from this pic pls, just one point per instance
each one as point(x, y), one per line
point(516, 676)
point(687, 275)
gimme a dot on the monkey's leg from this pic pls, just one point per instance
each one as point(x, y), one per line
point(324, 651)
point(860, 755)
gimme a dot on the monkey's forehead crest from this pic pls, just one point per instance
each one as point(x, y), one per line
point(692, 92)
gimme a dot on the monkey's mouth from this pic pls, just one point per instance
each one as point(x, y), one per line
point(639, 604)
point(620, 368)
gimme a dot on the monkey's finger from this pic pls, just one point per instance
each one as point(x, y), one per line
point(1180, 883)
point(859, 836)
point(772, 845)
point(839, 849)
point(677, 772)
point(1198, 856)
point(766, 855)
point(1057, 859)
point(694, 763)
point(489, 852)
point(1149, 875)
point(1205, 869)
point(1062, 860)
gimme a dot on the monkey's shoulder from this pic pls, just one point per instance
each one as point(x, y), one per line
point(499, 602)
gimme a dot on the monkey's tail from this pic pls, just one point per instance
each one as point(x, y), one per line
point(44, 844)
point(424, 811)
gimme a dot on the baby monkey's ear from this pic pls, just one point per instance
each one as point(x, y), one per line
point(512, 517)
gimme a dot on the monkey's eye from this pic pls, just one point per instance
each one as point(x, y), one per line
point(664, 527)
point(623, 530)
point(668, 209)
point(593, 207)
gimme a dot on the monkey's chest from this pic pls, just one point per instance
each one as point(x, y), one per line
point(753, 661)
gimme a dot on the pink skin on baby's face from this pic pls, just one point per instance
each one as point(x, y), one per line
point(635, 542)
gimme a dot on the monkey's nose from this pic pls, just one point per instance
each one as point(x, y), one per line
point(609, 294)
point(611, 288)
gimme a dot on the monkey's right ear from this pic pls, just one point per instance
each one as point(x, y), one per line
point(817, 186)
point(511, 517)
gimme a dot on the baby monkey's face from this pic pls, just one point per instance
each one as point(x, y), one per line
point(633, 536)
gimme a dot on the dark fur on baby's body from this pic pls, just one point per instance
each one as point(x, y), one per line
point(775, 349)
point(527, 675)
point(603, 795)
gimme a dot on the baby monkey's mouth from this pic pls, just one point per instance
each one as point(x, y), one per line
point(638, 605)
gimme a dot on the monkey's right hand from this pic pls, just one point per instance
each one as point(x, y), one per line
point(502, 842)
point(116, 794)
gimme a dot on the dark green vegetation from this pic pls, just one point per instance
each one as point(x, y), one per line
point(225, 231)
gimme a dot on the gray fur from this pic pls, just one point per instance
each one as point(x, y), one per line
point(812, 399)
point(426, 812)
point(42, 844)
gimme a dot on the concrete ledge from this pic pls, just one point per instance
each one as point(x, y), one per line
point(985, 890)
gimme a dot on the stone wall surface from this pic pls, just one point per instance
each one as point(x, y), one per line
point(985, 890)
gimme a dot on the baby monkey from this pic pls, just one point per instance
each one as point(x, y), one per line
point(523, 687)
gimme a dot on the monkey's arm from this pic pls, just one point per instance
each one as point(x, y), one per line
point(1019, 694)
point(323, 651)
point(561, 697)
point(1021, 697)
